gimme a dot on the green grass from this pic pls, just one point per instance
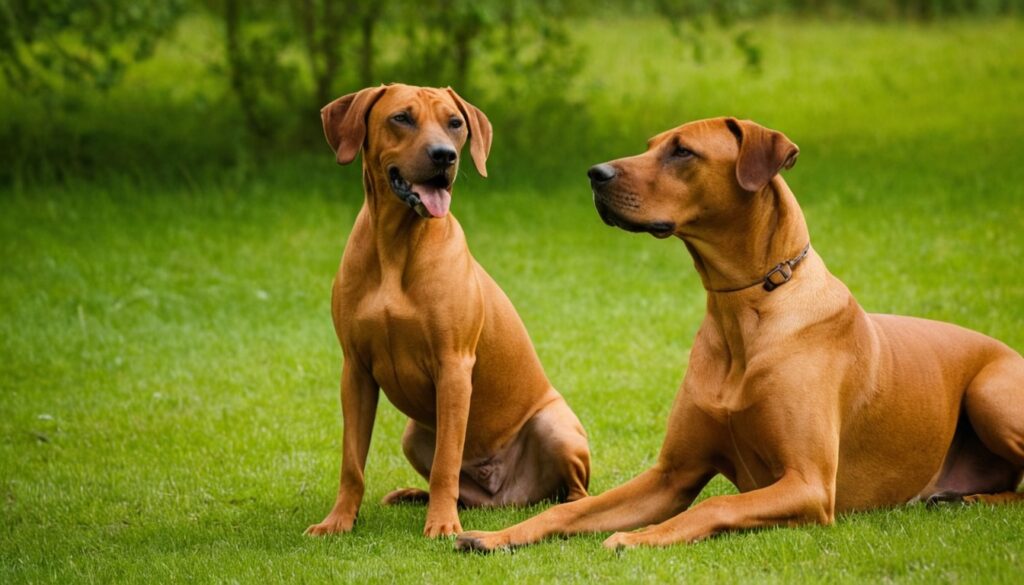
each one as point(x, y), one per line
point(168, 391)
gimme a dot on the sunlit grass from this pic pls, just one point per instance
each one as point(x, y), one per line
point(168, 388)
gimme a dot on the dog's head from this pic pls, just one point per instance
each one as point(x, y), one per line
point(411, 137)
point(691, 179)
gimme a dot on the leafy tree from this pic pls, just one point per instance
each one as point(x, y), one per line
point(690, 20)
point(48, 43)
point(306, 52)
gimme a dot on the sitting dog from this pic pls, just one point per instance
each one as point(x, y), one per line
point(805, 402)
point(417, 317)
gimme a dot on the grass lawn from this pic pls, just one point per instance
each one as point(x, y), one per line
point(168, 384)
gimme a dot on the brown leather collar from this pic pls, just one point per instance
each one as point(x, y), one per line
point(775, 277)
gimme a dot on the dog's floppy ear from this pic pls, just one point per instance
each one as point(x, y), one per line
point(480, 132)
point(763, 153)
point(345, 121)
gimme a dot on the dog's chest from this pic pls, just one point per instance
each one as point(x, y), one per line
point(715, 386)
point(734, 419)
point(388, 331)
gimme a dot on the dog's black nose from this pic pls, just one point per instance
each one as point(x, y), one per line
point(442, 155)
point(601, 173)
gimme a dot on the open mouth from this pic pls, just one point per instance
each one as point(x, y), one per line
point(658, 229)
point(431, 198)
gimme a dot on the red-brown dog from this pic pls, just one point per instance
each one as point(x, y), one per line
point(809, 405)
point(419, 318)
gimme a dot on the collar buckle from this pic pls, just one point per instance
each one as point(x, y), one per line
point(776, 277)
point(784, 272)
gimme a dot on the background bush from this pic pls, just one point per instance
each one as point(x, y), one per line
point(178, 88)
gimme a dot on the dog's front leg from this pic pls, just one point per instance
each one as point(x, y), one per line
point(670, 486)
point(649, 497)
point(454, 388)
point(796, 498)
point(359, 394)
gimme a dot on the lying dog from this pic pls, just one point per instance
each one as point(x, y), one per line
point(809, 405)
point(419, 318)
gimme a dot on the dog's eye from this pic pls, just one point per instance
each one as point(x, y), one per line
point(402, 118)
point(455, 123)
point(683, 152)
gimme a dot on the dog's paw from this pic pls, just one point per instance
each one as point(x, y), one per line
point(333, 524)
point(620, 540)
point(477, 541)
point(944, 498)
point(406, 496)
point(442, 528)
point(995, 499)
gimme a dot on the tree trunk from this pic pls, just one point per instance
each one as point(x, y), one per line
point(368, 25)
point(463, 58)
point(237, 71)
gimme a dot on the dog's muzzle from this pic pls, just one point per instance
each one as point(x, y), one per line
point(658, 229)
point(430, 198)
point(403, 189)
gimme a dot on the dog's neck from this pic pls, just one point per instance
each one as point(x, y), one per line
point(773, 230)
point(743, 253)
point(398, 232)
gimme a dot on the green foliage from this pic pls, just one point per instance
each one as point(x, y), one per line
point(696, 22)
point(466, 44)
point(178, 88)
point(257, 39)
point(922, 9)
point(47, 43)
point(733, 10)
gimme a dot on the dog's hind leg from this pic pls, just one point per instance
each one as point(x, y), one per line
point(992, 453)
point(995, 405)
point(970, 468)
point(553, 460)
point(418, 444)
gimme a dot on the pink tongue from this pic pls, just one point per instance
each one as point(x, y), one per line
point(435, 199)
